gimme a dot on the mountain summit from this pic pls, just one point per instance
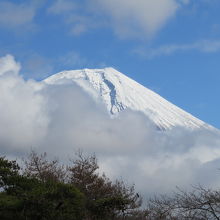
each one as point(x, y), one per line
point(119, 92)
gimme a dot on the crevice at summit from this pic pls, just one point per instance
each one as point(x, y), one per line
point(113, 96)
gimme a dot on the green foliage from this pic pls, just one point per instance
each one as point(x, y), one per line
point(10, 207)
point(8, 173)
point(54, 201)
point(29, 198)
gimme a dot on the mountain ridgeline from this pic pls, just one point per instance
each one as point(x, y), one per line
point(118, 92)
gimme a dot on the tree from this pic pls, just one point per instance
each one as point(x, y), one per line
point(8, 173)
point(10, 205)
point(104, 199)
point(38, 166)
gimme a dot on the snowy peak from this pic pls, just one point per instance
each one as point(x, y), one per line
point(119, 92)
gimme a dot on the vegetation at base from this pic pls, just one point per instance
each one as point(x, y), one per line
point(44, 189)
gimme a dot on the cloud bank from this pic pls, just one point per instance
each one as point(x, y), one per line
point(62, 119)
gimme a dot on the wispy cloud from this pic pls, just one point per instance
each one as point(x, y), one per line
point(73, 14)
point(205, 46)
point(130, 18)
point(62, 6)
point(73, 59)
point(16, 15)
point(127, 18)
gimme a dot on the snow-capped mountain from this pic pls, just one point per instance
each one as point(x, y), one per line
point(119, 92)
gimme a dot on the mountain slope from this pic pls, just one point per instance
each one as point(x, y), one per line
point(119, 92)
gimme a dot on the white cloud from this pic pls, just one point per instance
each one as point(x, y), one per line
point(61, 119)
point(205, 46)
point(9, 65)
point(23, 119)
point(13, 15)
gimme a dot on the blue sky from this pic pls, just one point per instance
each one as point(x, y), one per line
point(169, 46)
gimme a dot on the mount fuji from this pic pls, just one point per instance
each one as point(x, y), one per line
point(118, 92)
